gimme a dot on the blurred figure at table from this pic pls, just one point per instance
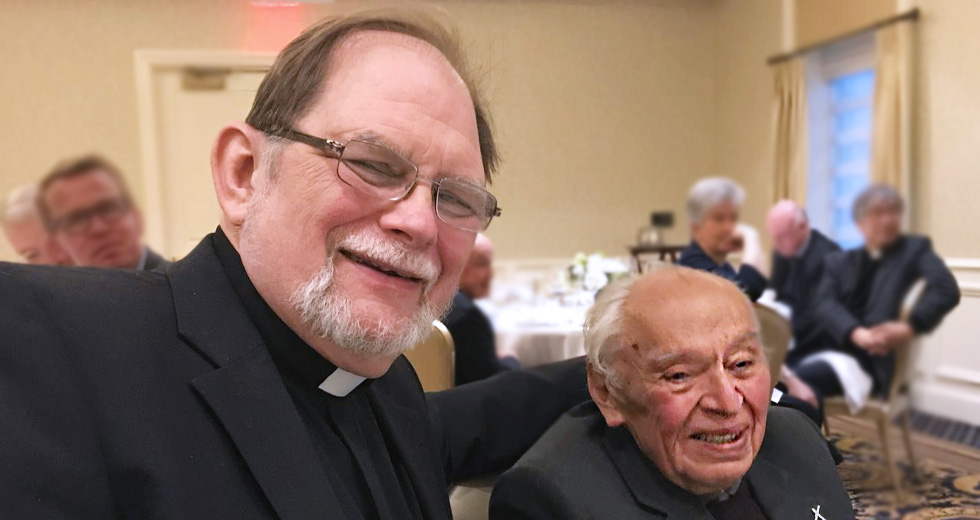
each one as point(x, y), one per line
point(86, 206)
point(860, 299)
point(713, 205)
point(24, 230)
point(797, 268)
point(476, 352)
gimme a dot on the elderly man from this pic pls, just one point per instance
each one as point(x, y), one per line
point(25, 232)
point(476, 352)
point(797, 268)
point(713, 206)
point(681, 427)
point(262, 376)
point(87, 208)
point(860, 299)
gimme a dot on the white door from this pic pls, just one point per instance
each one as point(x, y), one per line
point(185, 99)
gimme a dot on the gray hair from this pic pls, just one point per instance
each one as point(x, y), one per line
point(21, 205)
point(874, 195)
point(708, 193)
point(603, 327)
point(604, 323)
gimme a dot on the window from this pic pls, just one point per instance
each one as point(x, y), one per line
point(840, 86)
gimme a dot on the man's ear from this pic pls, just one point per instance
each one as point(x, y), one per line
point(602, 395)
point(234, 159)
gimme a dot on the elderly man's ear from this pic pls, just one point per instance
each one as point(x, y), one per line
point(235, 159)
point(603, 397)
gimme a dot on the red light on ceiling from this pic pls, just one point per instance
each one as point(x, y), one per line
point(271, 24)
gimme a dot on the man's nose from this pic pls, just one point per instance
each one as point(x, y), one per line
point(722, 395)
point(413, 218)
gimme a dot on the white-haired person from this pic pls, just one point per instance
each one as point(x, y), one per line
point(680, 425)
point(25, 231)
point(713, 207)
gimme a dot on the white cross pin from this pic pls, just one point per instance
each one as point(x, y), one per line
point(816, 513)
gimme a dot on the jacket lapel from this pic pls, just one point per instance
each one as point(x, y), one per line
point(779, 494)
point(406, 428)
point(246, 392)
point(648, 486)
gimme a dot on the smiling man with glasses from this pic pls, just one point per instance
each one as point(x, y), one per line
point(262, 376)
point(86, 207)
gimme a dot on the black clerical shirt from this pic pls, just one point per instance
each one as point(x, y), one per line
point(370, 481)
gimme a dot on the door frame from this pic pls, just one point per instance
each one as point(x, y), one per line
point(148, 63)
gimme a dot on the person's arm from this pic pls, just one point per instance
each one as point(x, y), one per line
point(831, 312)
point(752, 282)
point(942, 292)
point(526, 494)
point(51, 459)
point(484, 427)
point(476, 353)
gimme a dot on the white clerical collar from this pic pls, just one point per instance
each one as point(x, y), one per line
point(341, 382)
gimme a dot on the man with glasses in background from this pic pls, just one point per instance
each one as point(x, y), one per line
point(262, 376)
point(86, 206)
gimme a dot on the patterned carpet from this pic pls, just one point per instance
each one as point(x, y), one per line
point(946, 492)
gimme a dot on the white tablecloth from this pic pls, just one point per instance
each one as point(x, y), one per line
point(539, 334)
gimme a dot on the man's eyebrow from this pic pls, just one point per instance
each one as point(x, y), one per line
point(743, 340)
point(372, 137)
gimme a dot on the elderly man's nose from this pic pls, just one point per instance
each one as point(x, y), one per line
point(414, 217)
point(722, 395)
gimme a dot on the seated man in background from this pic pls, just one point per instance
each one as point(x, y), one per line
point(861, 295)
point(713, 205)
point(86, 206)
point(680, 427)
point(25, 232)
point(797, 267)
point(476, 352)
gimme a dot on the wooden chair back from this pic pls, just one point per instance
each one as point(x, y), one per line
point(434, 359)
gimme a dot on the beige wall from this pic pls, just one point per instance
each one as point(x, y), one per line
point(818, 20)
point(604, 109)
point(946, 179)
point(746, 34)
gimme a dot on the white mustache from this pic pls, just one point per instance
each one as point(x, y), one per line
point(391, 255)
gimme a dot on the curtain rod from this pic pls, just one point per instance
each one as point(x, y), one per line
point(912, 15)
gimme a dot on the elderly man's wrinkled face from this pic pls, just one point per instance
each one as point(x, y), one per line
point(340, 264)
point(716, 231)
point(696, 388)
point(881, 224)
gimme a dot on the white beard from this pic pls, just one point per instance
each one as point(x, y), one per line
point(327, 313)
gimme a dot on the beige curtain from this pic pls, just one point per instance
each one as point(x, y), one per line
point(789, 123)
point(890, 134)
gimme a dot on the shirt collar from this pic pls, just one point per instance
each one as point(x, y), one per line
point(142, 264)
point(293, 357)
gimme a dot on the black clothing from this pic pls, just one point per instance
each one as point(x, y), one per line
point(740, 506)
point(856, 291)
point(748, 278)
point(138, 394)
point(795, 281)
point(821, 378)
point(584, 470)
point(473, 337)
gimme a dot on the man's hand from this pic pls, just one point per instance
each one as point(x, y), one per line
point(798, 388)
point(894, 334)
point(870, 339)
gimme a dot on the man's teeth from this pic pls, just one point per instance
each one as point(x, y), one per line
point(716, 439)
point(389, 272)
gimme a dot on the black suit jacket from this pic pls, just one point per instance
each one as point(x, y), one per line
point(134, 394)
point(903, 263)
point(747, 278)
point(795, 281)
point(154, 261)
point(476, 347)
point(583, 470)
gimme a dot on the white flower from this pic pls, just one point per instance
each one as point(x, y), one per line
point(595, 279)
point(578, 271)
